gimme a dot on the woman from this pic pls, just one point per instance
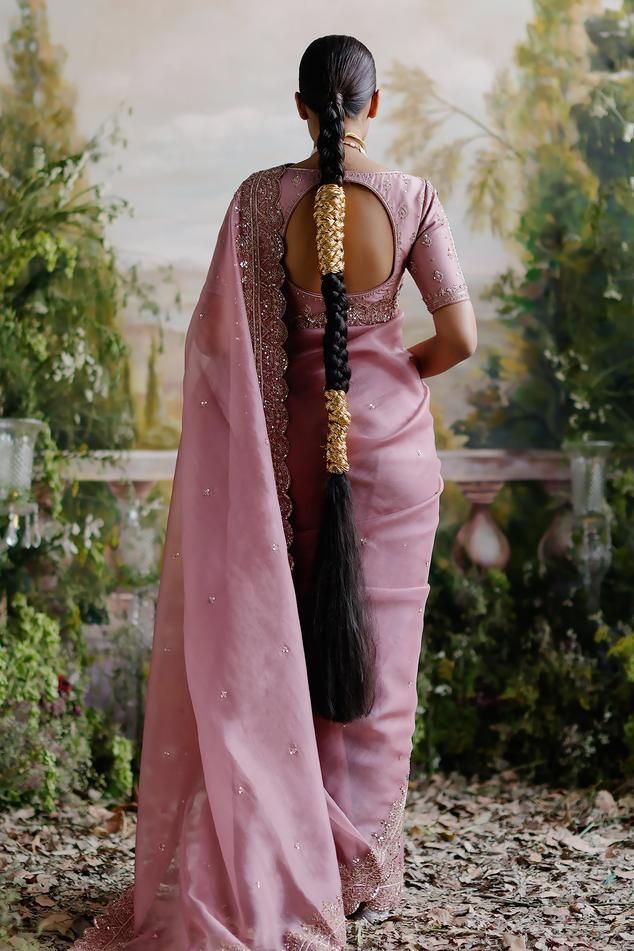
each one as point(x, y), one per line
point(282, 688)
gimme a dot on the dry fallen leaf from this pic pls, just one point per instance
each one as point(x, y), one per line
point(605, 802)
point(58, 921)
point(511, 865)
point(513, 942)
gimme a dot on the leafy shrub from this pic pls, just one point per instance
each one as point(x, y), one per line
point(43, 729)
point(516, 671)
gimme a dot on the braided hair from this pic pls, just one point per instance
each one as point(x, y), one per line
point(337, 77)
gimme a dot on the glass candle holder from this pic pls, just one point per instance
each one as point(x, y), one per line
point(17, 447)
point(591, 536)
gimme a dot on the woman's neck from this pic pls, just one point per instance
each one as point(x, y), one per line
point(353, 160)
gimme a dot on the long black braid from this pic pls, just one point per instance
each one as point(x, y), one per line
point(337, 78)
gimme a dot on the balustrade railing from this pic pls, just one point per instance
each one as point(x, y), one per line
point(479, 473)
point(119, 649)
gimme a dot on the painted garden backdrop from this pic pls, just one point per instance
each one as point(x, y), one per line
point(124, 130)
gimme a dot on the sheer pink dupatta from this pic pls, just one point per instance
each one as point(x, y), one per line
point(234, 846)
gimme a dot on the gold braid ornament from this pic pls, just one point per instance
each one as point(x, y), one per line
point(338, 421)
point(328, 212)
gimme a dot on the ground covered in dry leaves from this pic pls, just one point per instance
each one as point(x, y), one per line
point(490, 865)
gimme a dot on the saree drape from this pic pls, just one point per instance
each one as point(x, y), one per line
point(253, 832)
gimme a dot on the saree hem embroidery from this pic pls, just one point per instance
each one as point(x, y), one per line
point(375, 879)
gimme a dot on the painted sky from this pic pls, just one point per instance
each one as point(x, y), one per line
point(211, 82)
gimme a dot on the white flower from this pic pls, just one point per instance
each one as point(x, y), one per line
point(612, 292)
point(65, 367)
point(628, 132)
point(92, 529)
point(579, 402)
point(68, 546)
point(39, 158)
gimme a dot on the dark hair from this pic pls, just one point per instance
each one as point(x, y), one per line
point(337, 78)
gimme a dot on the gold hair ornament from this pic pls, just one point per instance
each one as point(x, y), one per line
point(338, 421)
point(328, 212)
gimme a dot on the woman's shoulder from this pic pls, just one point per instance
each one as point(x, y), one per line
point(375, 168)
point(409, 193)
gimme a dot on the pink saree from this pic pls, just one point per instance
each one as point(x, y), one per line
point(261, 826)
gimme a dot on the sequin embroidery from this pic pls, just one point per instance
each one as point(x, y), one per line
point(326, 931)
point(113, 929)
point(377, 877)
point(365, 313)
point(447, 295)
point(260, 244)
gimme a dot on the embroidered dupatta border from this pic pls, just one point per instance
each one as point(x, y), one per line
point(260, 248)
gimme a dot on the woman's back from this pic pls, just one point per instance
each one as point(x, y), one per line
point(368, 232)
point(394, 221)
point(393, 461)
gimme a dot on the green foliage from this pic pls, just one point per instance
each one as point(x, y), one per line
point(152, 395)
point(515, 668)
point(516, 671)
point(63, 360)
point(554, 178)
point(61, 353)
point(570, 370)
point(112, 756)
point(38, 105)
point(155, 434)
point(51, 744)
point(44, 752)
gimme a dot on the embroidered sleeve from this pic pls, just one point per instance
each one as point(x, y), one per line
point(432, 260)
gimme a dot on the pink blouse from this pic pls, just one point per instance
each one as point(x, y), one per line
point(423, 244)
point(432, 260)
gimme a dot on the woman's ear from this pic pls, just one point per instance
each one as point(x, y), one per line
point(301, 108)
point(374, 103)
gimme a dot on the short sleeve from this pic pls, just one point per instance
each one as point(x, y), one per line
point(433, 260)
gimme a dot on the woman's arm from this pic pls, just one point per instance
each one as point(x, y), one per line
point(455, 340)
point(434, 264)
